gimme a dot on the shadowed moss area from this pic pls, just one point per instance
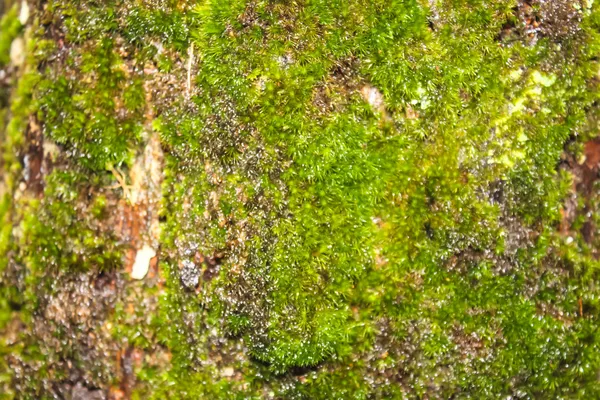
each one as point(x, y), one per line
point(360, 199)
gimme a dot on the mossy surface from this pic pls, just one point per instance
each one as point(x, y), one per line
point(10, 27)
point(360, 199)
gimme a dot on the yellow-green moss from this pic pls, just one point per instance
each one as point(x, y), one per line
point(10, 27)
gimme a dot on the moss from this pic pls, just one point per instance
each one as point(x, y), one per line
point(368, 193)
point(12, 126)
point(12, 143)
point(10, 27)
point(348, 208)
point(61, 230)
point(80, 110)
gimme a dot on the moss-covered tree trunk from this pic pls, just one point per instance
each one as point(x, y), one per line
point(310, 199)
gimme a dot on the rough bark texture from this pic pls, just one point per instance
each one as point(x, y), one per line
point(299, 199)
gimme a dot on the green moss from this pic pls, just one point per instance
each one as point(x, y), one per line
point(368, 191)
point(64, 232)
point(341, 210)
point(171, 27)
point(12, 134)
point(12, 143)
point(80, 110)
point(10, 27)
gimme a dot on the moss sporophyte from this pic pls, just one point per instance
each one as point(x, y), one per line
point(308, 199)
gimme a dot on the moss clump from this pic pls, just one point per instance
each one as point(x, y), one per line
point(80, 109)
point(10, 27)
point(66, 233)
